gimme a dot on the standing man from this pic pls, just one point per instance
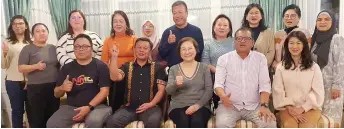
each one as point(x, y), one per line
point(242, 82)
point(181, 29)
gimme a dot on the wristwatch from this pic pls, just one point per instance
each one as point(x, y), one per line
point(91, 107)
point(264, 105)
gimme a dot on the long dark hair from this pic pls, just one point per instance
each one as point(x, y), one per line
point(230, 25)
point(306, 59)
point(12, 36)
point(128, 30)
point(245, 22)
point(69, 27)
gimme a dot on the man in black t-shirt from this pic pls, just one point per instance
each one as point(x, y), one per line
point(145, 87)
point(86, 81)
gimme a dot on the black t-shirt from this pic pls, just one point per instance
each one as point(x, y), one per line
point(87, 81)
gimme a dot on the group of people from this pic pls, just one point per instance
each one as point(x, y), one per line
point(123, 79)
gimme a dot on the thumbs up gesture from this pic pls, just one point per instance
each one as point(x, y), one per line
point(179, 79)
point(4, 48)
point(226, 100)
point(171, 38)
point(40, 65)
point(67, 85)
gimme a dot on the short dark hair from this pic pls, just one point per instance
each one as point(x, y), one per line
point(243, 29)
point(179, 2)
point(69, 27)
point(12, 36)
point(230, 25)
point(183, 40)
point(146, 40)
point(306, 59)
point(35, 25)
point(128, 31)
point(261, 22)
point(292, 6)
point(83, 36)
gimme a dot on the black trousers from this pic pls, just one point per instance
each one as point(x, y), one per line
point(198, 119)
point(42, 103)
point(215, 98)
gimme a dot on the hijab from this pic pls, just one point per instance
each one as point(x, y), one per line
point(154, 37)
point(323, 40)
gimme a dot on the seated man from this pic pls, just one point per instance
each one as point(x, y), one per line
point(86, 81)
point(243, 85)
point(145, 87)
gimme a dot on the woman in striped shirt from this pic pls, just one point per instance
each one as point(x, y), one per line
point(76, 26)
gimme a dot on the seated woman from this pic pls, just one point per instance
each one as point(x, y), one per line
point(298, 88)
point(190, 87)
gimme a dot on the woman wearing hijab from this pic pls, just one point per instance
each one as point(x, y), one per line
point(327, 51)
point(150, 31)
point(291, 17)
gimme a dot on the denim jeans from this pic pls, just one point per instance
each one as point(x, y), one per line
point(17, 96)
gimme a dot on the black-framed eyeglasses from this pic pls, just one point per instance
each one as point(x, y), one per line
point(241, 39)
point(83, 47)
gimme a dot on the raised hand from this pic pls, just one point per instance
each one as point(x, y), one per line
point(4, 48)
point(67, 85)
point(171, 38)
point(179, 79)
point(114, 51)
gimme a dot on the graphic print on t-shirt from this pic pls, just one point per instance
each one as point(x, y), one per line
point(82, 79)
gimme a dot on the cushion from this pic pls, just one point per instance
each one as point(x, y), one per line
point(135, 124)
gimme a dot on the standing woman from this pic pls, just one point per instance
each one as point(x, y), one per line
point(38, 60)
point(149, 30)
point(190, 87)
point(221, 43)
point(291, 17)
point(262, 35)
point(76, 26)
point(18, 37)
point(122, 36)
point(327, 51)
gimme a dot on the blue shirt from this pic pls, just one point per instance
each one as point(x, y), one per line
point(168, 51)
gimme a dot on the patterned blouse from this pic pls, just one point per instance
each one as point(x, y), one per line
point(214, 49)
point(333, 74)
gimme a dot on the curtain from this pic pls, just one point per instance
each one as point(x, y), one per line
point(59, 10)
point(309, 12)
point(200, 14)
point(16, 7)
point(41, 13)
point(273, 10)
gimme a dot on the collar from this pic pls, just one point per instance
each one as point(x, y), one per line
point(148, 62)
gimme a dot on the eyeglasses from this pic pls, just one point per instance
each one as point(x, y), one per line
point(291, 16)
point(148, 27)
point(18, 24)
point(241, 39)
point(83, 47)
point(75, 18)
